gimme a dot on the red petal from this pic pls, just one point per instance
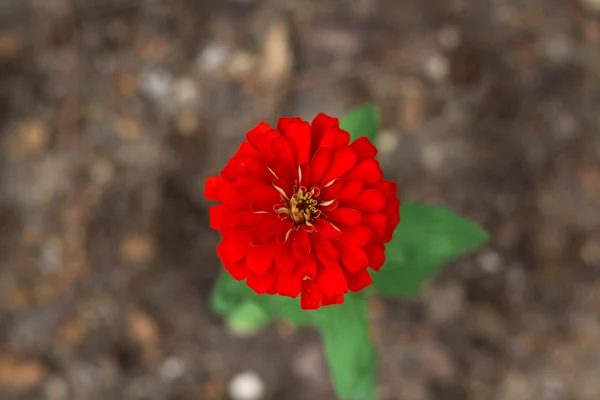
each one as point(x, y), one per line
point(334, 204)
point(367, 171)
point(350, 190)
point(248, 219)
point(377, 223)
point(212, 187)
point(284, 260)
point(289, 285)
point(306, 268)
point(258, 130)
point(260, 258)
point(300, 244)
point(229, 196)
point(246, 166)
point(219, 217)
point(284, 149)
point(264, 142)
point(358, 282)
point(319, 165)
point(237, 269)
point(369, 201)
point(328, 302)
point(376, 254)
point(343, 161)
point(331, 191)
point(273, 288)
point(325, 251)
point(312, 296)
point(234, 247)
point(259, 195)
point(345, 216)
point(261, 283)
point(353, 257)
point(282, 170)
point(359, 235)
point(299, 134)
point(364, 148)
point(327, 229)
point(304, 174)
point(335, 138)
point(332, 282)
point(319, 125)
point(284, 123)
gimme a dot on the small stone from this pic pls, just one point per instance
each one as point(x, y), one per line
point(444, 304)
point(413, 101)
point(214, 389)
point(285, 329)
point(490, 261)
point(138, 248)
point(157, 84)
point(212, 57)
point(449, 37)
point(185, 91)
point(277, 57)
point(127, 84)
point(592, 5)
point(72, 332)
point(437, 67)
point(246, 386)
point(173, 368)
point(102, 172)
point(21, 375)
point(128, 128)
point(241, 65)
point(153, 49)
point(56, 389)
point(516, 386)
point(308, 364)
point(187, 122)
point(30, 138)
point(17, 299)
point(387, 142)
point(142, 328)
point(11, 46)
point(438, 361)
point(590, 252)
point(488, 323)
point(433, 156)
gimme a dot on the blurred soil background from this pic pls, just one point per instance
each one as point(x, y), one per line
point(113, 112)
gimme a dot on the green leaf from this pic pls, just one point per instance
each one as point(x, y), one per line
point(361, 121)
point(350, 353)
point(227, 294)
point(247, 319)
point(230, 298)
point(426, 238)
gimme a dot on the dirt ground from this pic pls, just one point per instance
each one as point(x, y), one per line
point(113, 112)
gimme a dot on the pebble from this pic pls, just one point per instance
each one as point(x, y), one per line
point(437, 67)
point(56, 389)
point(157, 84)
point(142, 328)
point(246, 386)
point(592, 5)
point(21, 375)
point(173, 368)
point(212, 57)
point(449, 37)
point(490, 261)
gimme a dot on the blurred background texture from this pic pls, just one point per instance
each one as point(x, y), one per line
point(113, 112)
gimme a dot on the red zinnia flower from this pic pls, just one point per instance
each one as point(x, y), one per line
point(303, 211)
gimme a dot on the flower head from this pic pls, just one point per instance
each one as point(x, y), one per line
point(303, 211)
